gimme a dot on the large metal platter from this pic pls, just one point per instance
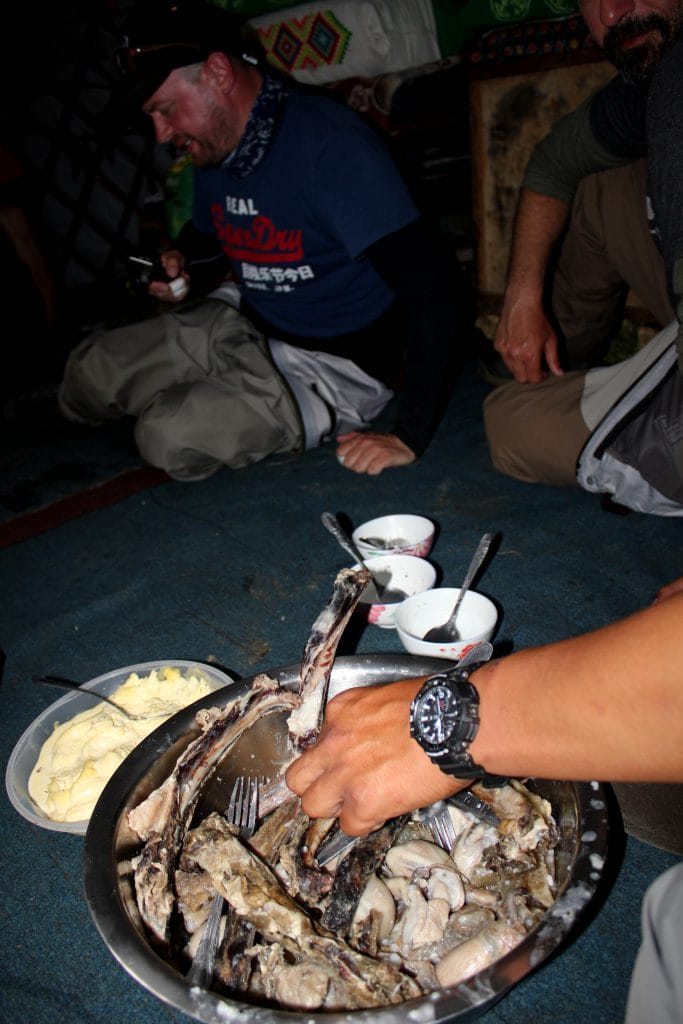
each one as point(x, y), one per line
point(580, 810)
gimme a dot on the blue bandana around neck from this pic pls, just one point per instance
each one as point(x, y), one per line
point(259, 129)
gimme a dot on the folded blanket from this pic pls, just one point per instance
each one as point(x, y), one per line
point(318, 43)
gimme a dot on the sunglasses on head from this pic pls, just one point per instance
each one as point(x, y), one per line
point(132, 60)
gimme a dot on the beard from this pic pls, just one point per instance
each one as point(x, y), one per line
point(206, 154)
point(636, 63)
point(219, 139)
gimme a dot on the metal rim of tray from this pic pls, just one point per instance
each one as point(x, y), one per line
point(465, 1001)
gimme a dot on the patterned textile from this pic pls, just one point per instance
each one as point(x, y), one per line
point(320, 42)
point(553, 37)
point(299, 44)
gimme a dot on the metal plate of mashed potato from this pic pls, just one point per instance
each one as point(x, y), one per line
point(580, 811)
point(28, 747)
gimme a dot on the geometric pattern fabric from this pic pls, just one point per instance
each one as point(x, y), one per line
point(312, 41)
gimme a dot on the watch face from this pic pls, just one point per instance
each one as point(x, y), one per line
point(437, 715)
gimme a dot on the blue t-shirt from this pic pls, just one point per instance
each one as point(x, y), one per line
point(296, 226)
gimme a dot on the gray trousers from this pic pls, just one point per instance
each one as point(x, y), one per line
point(536, 431)
point(200, 383)
point(607, 250)
point(656, 993)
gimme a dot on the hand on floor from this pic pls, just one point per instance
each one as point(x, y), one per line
point(370, 452)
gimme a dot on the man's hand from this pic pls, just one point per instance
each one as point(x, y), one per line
point(175, 289)
point(370, 452)
point(524, 337)
point(365, 767)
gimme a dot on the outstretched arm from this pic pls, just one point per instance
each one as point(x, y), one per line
point(606, 705)
point(436, 309)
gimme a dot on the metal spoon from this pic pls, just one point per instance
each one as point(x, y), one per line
point(384, 592)
point(447, 632)
point(68, 684)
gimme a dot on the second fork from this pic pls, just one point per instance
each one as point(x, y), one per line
point(243, 812)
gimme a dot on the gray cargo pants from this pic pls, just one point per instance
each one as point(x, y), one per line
point(200, 382)
point(656, 993)
point(536, 431)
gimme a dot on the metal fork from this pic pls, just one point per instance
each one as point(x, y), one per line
point(243, 812)
point(243, 805)
point(435, 817)
point(440, 823)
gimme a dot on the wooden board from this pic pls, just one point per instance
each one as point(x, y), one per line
point(509, 115)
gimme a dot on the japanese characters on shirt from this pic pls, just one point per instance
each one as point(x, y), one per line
point(265, 252)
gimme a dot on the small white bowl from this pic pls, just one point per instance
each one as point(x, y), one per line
point(407, 573)
point(27, 748)
point(477, 620)
point(395, 535)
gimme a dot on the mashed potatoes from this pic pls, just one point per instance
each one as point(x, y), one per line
point(82, 754)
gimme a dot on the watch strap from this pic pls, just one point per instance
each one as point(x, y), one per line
point(453, 758)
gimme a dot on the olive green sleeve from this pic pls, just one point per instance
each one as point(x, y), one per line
point(566, 155)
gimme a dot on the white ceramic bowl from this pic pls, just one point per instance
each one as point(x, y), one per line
point(27, 748)
point(477, 619)
point(395, 535)
point(406, 573)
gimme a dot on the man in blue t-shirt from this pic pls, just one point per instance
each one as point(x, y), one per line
point(338, 295)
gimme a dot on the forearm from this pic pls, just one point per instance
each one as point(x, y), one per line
point(435, 308)
point(579, 144)
point(524, 336)
point(606, 705)
point(539, 222)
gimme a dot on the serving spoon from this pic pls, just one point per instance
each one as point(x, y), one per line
point(68, 684)
point(447, 632)
point(384, 591)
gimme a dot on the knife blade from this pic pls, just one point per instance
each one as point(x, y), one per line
point(334, 846)
point(466, 800)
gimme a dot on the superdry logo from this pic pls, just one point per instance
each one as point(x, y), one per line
point(261, 242)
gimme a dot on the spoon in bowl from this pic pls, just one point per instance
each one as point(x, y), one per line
point(67, 684)
point(447, 632)
point(384, 591)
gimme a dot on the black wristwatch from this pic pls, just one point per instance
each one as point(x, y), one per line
point(444, 719)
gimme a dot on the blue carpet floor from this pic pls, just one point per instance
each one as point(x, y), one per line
point(236, 569)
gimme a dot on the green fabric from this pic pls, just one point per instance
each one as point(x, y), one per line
point(178, 193)
point(459, 22)
point(252, 8)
